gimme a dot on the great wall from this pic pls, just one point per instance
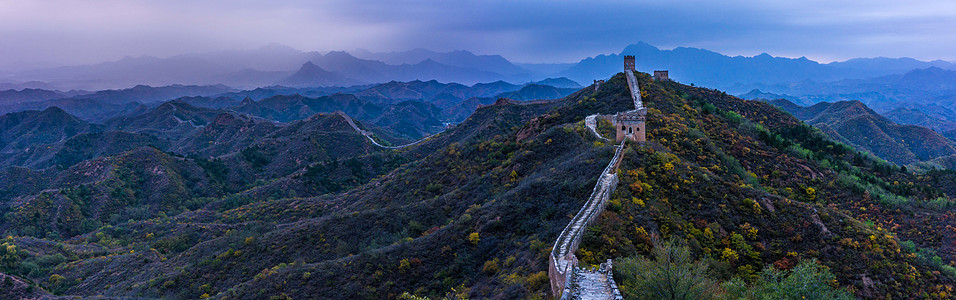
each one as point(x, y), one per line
point(568, 279)
point(368, 134)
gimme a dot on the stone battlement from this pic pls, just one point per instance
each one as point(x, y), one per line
point(597, 84)
point(631, 124)
point(629, 63)
point(661, 75)
point(568, 281)
point(563, 262)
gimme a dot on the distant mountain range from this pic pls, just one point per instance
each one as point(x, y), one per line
point(458, 100)
point(276, 64)
point(882, 83)
point(213, 124)
point(311, 75)
point(739, 74)
point(935, 117)
point(216, 120)
point(459, 58)
point(853, 123)
point(924, 97)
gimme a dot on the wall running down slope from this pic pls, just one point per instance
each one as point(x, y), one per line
point(368, 134)
point(567, 280)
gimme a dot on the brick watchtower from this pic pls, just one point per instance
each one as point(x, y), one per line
point(661, 75)
point(629, 63)
point(630, 125)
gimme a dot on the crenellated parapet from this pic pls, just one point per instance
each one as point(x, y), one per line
point(562, 261)
point(567, 279)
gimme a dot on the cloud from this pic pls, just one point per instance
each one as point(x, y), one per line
point(75, 31)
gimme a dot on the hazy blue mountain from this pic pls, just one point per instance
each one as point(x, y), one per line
point(756, 94)
point(87, 109)
point(39, 85)
point(28, 95)
point(699, 66)
point(377, 71)
point(250, 78)
point(269, 58)
point(913, 116)
point(430, 69)
point(892, 65)
point(271, 64)
point(106, 104)
point(149, 94)
point(939, 112)
point(288, 108)
point(447, 95)
point(131, 71)
point(562, 82)
point(920, 88)
point(242, 68)
point(493, 88)
point(739, 74)
point(458, 58)
point(268, 66)
point(545, 69)
point(537, 92)
point(310, 75)
point(210, 102)
point(275, 90)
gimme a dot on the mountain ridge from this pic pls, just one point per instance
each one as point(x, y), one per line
point(475, 208)
point(854, 123)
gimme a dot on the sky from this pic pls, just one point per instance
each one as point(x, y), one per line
point(43, 33)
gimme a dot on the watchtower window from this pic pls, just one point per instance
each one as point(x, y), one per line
point(630, 130)
point(623, 127)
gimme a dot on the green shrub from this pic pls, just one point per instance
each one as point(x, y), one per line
point(671, 274)
point(808, 280)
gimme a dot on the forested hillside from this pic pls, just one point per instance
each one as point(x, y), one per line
point(855, 124)
point(311, 209)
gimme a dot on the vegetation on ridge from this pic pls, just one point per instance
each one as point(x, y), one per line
point(311, 209)
point(749, 186)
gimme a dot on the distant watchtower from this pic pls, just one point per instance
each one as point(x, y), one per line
point(629, 63)
point(661, 75)
point(597, 84)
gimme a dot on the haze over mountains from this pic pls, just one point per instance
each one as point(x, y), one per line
point(277, 64)
point(923, 92)
point(905, 91)
point(932, 86)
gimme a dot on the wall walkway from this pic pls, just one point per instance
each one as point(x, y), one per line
point(568, 281)
point(368, 134)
